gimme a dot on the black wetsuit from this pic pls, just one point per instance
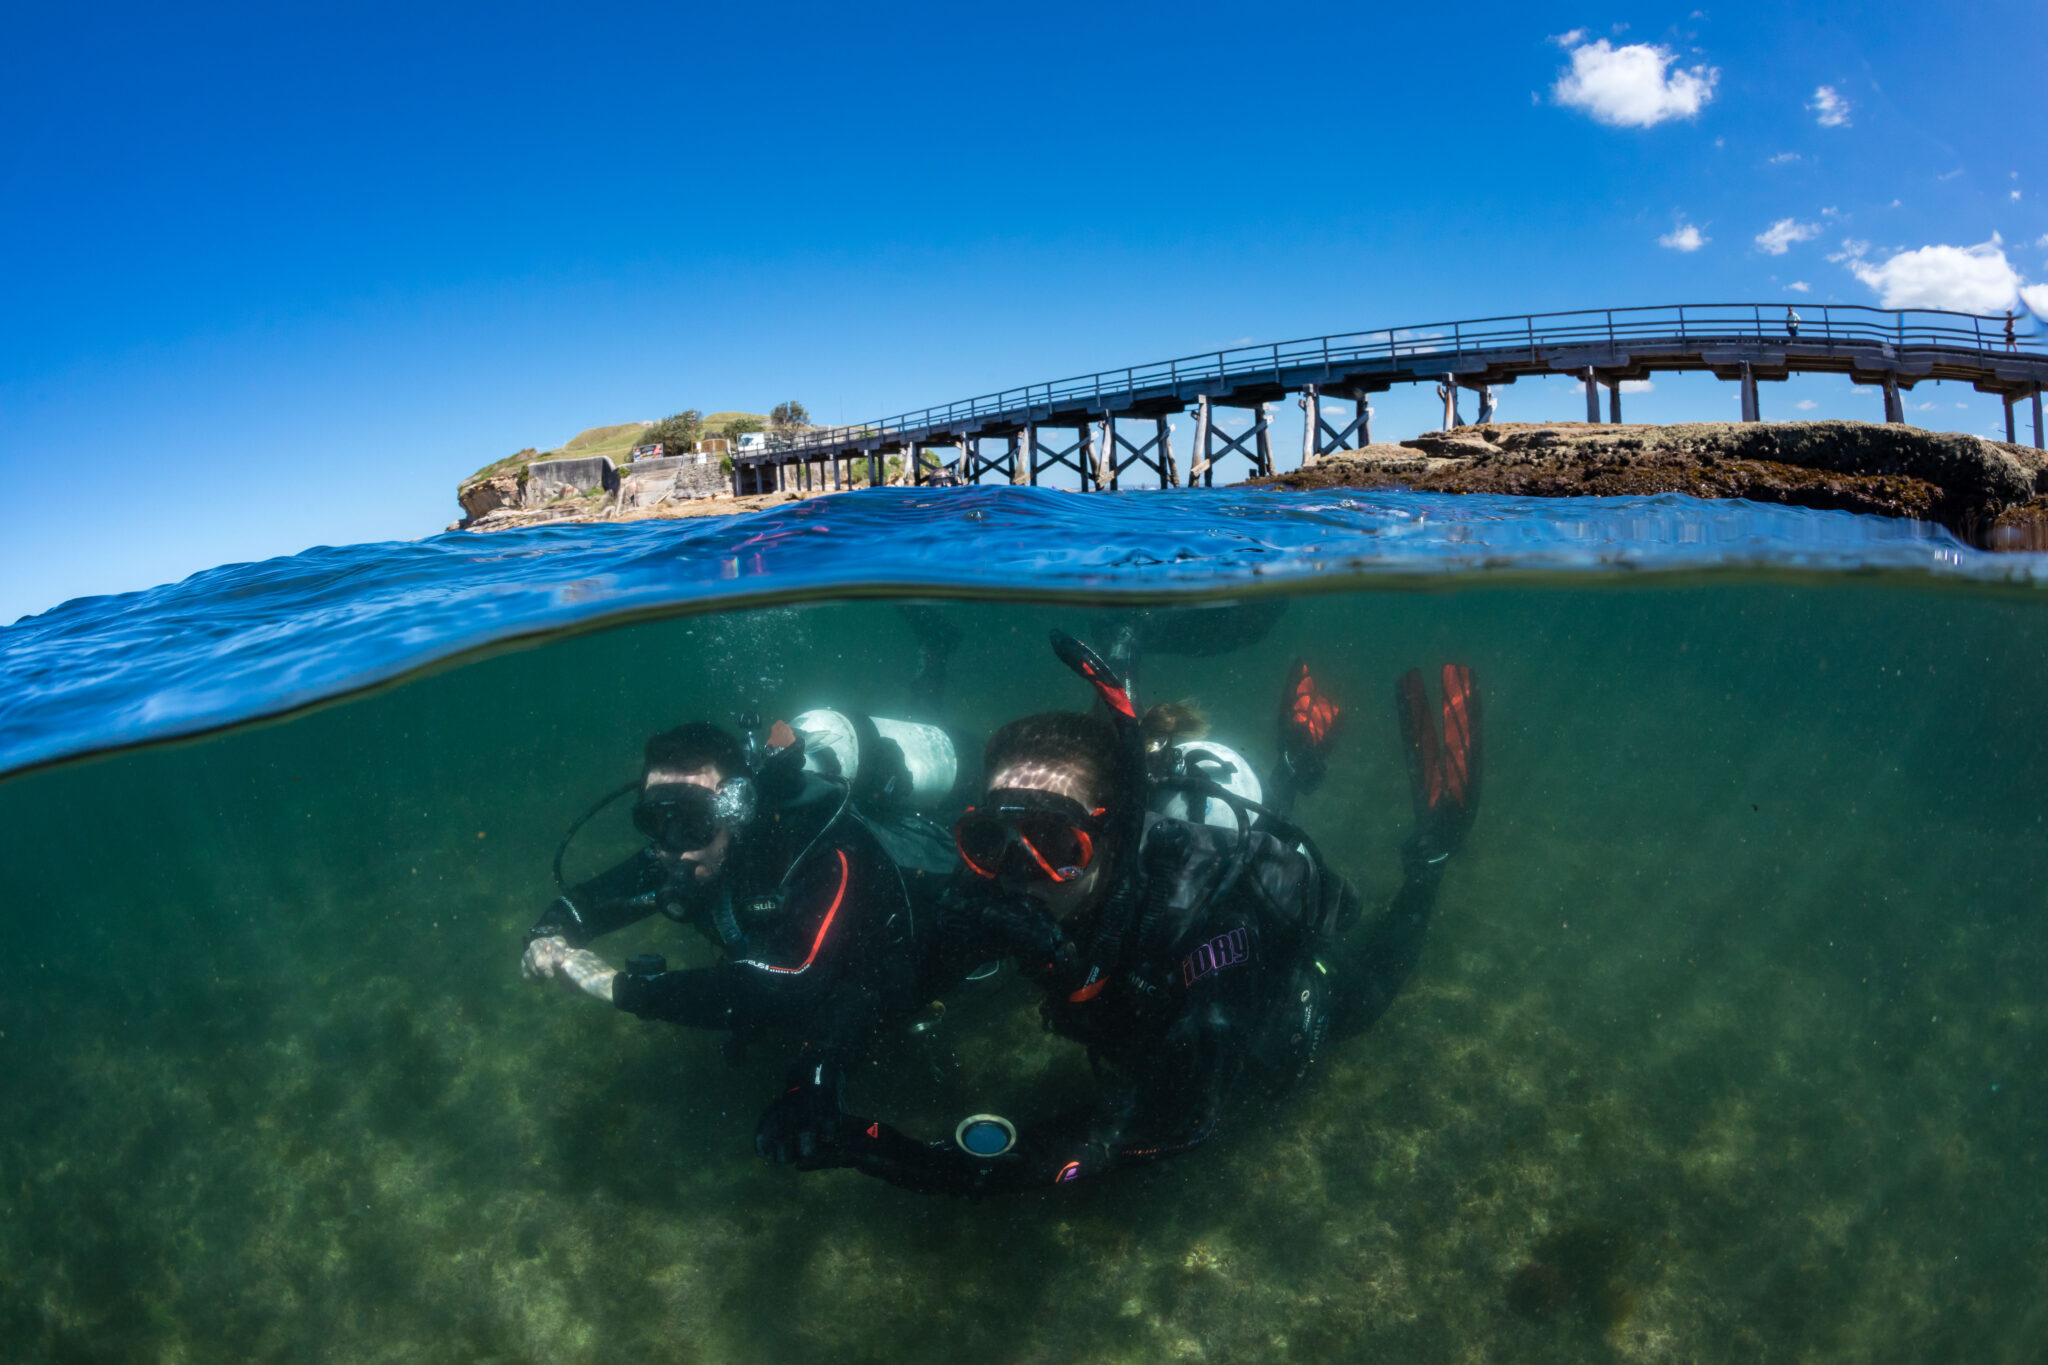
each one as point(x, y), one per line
point(820, 915)
point(1211, 996)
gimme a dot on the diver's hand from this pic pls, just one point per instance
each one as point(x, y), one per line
point(801, 1129)
point(542, 956)
point(803, 1126)
point(578, 969)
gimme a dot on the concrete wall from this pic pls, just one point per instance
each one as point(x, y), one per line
point(669, 479)
point(547, 480)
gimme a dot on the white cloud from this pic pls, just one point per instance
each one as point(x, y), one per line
point(1806, 405)
point(1684, 237)
point(1799, 287)
point(2015, 195)
point(1571, 39)
point(1948, 175)
point(1830, 108)
point(2042, 240)
point(1784, 158)
point(1778, 238)
point(2035, 296)
point(1637, 386)
point(1923, 407)
point(1969, 279)
point(1863, 391)
point(1850, 248)
point(1632, 86)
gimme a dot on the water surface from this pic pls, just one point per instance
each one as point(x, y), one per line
point(1726, 1044)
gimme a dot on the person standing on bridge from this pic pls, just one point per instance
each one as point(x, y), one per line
point(1791, 323)
point(2012, 341)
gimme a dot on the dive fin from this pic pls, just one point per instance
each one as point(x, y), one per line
point(1309, 721)
point(1443, 774)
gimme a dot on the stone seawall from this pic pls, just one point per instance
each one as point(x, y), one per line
point(558, 490)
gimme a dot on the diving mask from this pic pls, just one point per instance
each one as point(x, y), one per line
point(682, 817)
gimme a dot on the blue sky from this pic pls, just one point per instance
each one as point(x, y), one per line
point(279, 277)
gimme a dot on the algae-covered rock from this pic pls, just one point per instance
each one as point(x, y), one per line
point(1977, 488)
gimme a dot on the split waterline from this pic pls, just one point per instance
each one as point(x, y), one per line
point(1725, 1044)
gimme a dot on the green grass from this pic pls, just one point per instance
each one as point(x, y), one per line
point(613, 442)
point(511, 464)
point(715, 423)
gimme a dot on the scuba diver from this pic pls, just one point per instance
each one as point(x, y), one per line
point(802, 859)
point(1196, 963)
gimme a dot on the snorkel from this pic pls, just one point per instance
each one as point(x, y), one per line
point(1114, 921)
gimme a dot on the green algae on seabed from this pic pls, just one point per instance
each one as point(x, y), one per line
point(1724, 1047)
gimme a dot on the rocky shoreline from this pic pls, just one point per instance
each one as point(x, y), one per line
point(1989, 493)
point(510, 516)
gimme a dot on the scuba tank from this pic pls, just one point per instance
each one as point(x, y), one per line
point(1222, 765)
point(879, 758)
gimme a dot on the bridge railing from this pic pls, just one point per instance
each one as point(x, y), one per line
point(1396, 347)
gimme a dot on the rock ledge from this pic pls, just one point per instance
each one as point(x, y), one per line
point(1989, 493)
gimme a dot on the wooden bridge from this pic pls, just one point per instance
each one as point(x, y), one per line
point(1102, 426)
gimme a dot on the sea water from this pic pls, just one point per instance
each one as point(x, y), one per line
point(1727, 1043)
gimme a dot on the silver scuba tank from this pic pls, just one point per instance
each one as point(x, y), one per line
point(1223, 765)
point(834, 746)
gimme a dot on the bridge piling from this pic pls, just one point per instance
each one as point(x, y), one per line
point(1489, 406)
point(1212, 444)
point(1119, 452)
point(1321, 437)
point(1593, 396)
point(1894, 406)
point(1750, 412)
point(1043, 456)
point(1311, 424)
point(1614, 401)
point(2037, 417)
point(1447, 390)
point(2011, 438)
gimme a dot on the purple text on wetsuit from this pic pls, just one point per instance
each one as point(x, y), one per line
point(1220, 952)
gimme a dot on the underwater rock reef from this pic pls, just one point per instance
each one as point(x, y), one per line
point(1992, 494)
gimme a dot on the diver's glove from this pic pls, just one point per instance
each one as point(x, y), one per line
point(978, 922)
point(802, 1127)
point(1443, 773)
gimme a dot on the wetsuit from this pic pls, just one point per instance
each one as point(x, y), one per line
point(819, 916)
point(1224, 987)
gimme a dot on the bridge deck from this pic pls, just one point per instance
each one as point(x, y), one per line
point(1871, 346)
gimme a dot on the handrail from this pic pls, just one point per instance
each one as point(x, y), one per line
point(1691, 324)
